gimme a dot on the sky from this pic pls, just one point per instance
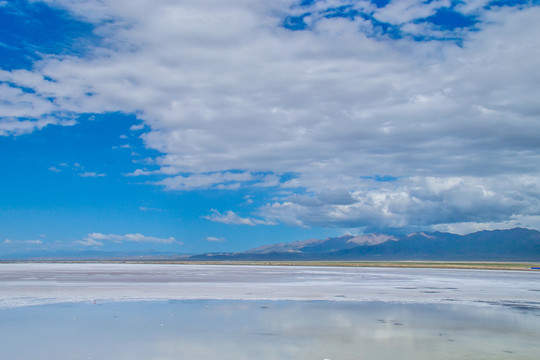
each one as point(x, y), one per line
point(206, 125)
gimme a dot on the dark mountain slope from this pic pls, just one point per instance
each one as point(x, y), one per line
point(499, 245)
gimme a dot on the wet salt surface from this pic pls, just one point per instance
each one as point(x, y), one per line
point(268, 330)
point(121, 311)
point(35, 284)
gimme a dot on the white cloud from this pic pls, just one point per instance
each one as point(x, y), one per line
point(215, 239)
point(91, 174)
point(137, 127)
point(472, 6)
point(12, 126)
point(225, 93)
point(141, 238)
point(146, 208)
point(418, 202)
point(525, 221)
point(219, 180)
point(19, 104)
point(124, 146)
point(230, 217)
point(97, 239)
point(203, 181)
point(89, 241)
point(402, 11)
point(35, 242)
point(77, 168)
point(30, 242)
point(140, 172)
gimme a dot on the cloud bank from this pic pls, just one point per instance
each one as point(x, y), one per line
point(324, 109)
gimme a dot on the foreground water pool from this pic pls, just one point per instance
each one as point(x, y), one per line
point(224, 329)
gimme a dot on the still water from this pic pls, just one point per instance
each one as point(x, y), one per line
point(255, 329)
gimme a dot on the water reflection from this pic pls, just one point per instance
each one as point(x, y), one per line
point(268, 330)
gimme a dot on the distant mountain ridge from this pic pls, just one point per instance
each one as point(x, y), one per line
point(328, 244)
point(516, 244)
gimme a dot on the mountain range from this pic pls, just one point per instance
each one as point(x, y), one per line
point(516, 244)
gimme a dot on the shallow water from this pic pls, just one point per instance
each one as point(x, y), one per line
point(223, 329)
point(162, 312)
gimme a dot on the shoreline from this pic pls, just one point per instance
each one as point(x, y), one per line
point(469, 265)
point(35, 283)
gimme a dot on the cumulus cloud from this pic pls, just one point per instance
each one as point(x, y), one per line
point(437, 203)
point(225, 92)
point(98, 239)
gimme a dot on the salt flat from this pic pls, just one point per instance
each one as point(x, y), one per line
point(37, 283)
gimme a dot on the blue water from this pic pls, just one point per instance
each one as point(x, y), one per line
point(214, 329)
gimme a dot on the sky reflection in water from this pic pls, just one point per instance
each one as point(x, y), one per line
point(268, 330)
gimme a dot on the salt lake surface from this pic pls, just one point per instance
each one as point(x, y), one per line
point(121, 311)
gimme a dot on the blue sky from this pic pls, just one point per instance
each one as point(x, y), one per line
point(205, 126)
